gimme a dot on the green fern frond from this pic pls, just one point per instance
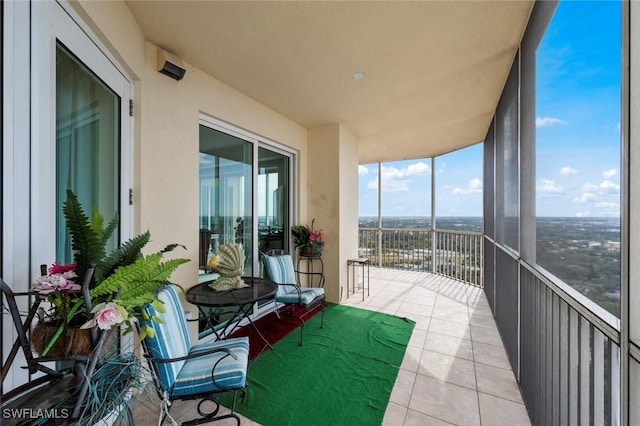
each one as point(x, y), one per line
point(123, 277)
point(141, 277)
point(126, 254)
point(110, 229)
point(164, 270)
point(139, 289)
point(153, 280)
point(85, 242)
point(97, 221)
point(133, 302)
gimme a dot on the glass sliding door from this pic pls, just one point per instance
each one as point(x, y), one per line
point(226, 208)
point(245, 193)
point(226, 196)
point(87, 144)
point(273, 200)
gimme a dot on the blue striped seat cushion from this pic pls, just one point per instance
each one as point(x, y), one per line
point(307, 296)
point(195, 376)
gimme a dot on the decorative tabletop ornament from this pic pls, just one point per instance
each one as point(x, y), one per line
point(229, 263)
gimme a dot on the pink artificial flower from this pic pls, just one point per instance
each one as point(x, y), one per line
point(51, 283)
point(312, 237)
point(106, 316)
point(57, 268)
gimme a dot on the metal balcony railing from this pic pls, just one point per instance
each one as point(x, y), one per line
point(457, 255)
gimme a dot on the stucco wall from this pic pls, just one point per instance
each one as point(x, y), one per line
point(166, 132)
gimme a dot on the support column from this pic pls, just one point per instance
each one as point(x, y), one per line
point(332, 194)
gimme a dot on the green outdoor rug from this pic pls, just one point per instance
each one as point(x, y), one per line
point(343, 375)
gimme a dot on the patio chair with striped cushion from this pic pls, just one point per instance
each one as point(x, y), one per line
point(185, 371)
point(278, 265)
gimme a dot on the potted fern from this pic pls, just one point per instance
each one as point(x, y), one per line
point(122, 282)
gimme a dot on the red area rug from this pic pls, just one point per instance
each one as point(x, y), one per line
point(272, 328)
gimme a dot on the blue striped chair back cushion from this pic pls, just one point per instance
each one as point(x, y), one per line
point(171, 338)
point(280, 269)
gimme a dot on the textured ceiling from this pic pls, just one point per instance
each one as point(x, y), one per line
point(434, 69)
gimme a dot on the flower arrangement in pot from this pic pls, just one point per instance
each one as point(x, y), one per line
point(122, 282)
point(307, 239)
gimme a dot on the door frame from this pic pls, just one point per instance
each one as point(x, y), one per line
point(259, 142)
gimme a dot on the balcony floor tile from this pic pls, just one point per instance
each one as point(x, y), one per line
point(448, 369)
point(501, 412)
point(455, 370)
point(448, 345)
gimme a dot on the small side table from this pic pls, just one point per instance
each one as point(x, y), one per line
point(352, 269)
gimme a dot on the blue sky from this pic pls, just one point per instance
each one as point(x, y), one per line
point(578, 112)
point(577, 132)
point(406, 186)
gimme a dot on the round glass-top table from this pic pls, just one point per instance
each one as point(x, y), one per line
point(203, 296)
point(258, 289)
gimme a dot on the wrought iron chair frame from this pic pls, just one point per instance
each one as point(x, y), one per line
point(84, 365)
point(167, 398)
point(316, 303)
point(206, 417)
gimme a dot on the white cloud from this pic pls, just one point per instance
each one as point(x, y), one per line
point(605, 187)
point(418, 168)
point(605, 205)
point(568, 170)
point(608, 174)
point(362, 170)
point(548, 121)
point(610, 187)
point(398, 180)
point(548, 186)
point(589, 187)
point(585, 197)
point(582, 214)
point(373, 184)
point(395, 185)
point(473, 187)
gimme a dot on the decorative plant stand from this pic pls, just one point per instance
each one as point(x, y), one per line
point(313, 271)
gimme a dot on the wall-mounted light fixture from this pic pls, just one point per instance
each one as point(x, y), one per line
point(170, 65)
